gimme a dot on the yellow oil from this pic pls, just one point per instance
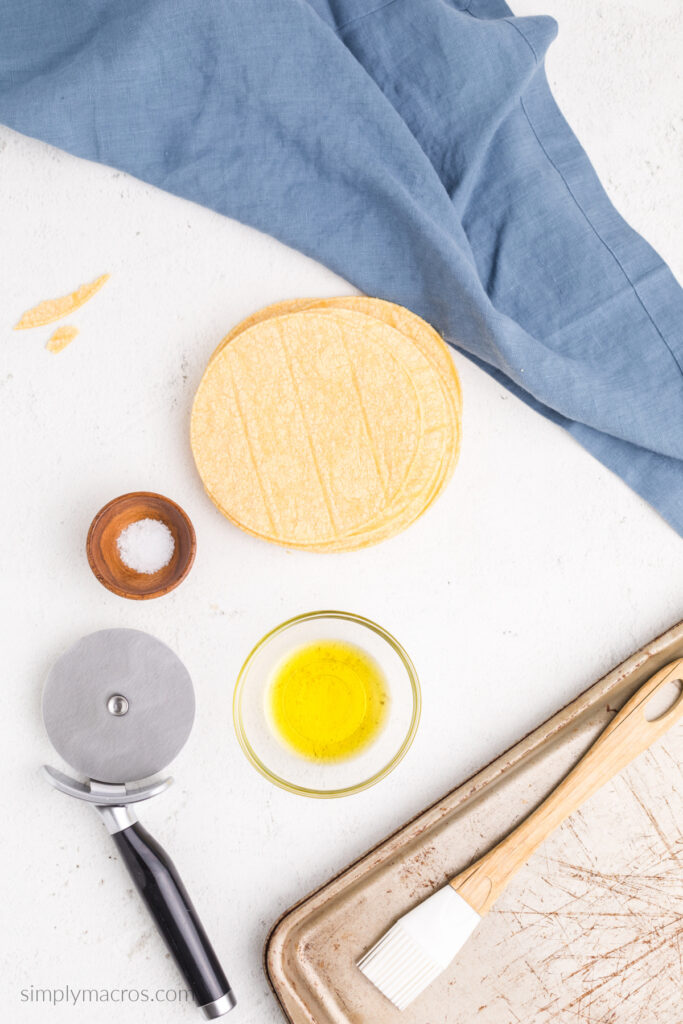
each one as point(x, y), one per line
point(328, 700)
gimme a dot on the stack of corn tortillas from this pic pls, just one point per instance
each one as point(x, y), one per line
point(327, 424)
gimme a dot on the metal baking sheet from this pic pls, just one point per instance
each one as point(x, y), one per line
point(589, 932)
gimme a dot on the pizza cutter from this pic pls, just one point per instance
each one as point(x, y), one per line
point(118, 707)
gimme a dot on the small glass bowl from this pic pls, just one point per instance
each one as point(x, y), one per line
point(273, 759)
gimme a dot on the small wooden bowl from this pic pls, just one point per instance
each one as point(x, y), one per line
point(103, 552)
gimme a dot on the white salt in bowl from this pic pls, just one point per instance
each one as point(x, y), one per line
point(142, 548)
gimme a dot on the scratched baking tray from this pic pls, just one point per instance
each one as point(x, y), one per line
point(589, 932)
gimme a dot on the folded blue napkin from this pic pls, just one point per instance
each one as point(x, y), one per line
point(414, 147)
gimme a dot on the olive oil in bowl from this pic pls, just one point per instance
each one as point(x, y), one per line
point(328, 700)
point(326, 704)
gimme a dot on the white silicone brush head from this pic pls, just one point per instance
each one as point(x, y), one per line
point(420, 946)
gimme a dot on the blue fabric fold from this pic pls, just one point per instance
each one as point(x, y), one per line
point(415, 148)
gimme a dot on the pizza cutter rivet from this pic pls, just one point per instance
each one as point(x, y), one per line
point(117, 705)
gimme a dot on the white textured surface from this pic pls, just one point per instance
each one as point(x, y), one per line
point(535, 572)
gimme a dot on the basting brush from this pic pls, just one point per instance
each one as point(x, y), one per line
point(424, 941)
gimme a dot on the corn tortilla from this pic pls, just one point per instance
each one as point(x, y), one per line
point(49, 310)
point(61, 337)
point(429, 342)
point(331, 501)
point(412, 326)
point(308, 425)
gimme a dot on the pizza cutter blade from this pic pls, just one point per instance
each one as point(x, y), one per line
point(118, 706)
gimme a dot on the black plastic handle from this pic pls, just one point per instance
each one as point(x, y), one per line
point(159, 884)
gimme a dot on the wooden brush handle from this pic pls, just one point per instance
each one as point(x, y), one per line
point(627, 735)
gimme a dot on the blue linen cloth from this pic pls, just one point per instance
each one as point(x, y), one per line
point(414, 147)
